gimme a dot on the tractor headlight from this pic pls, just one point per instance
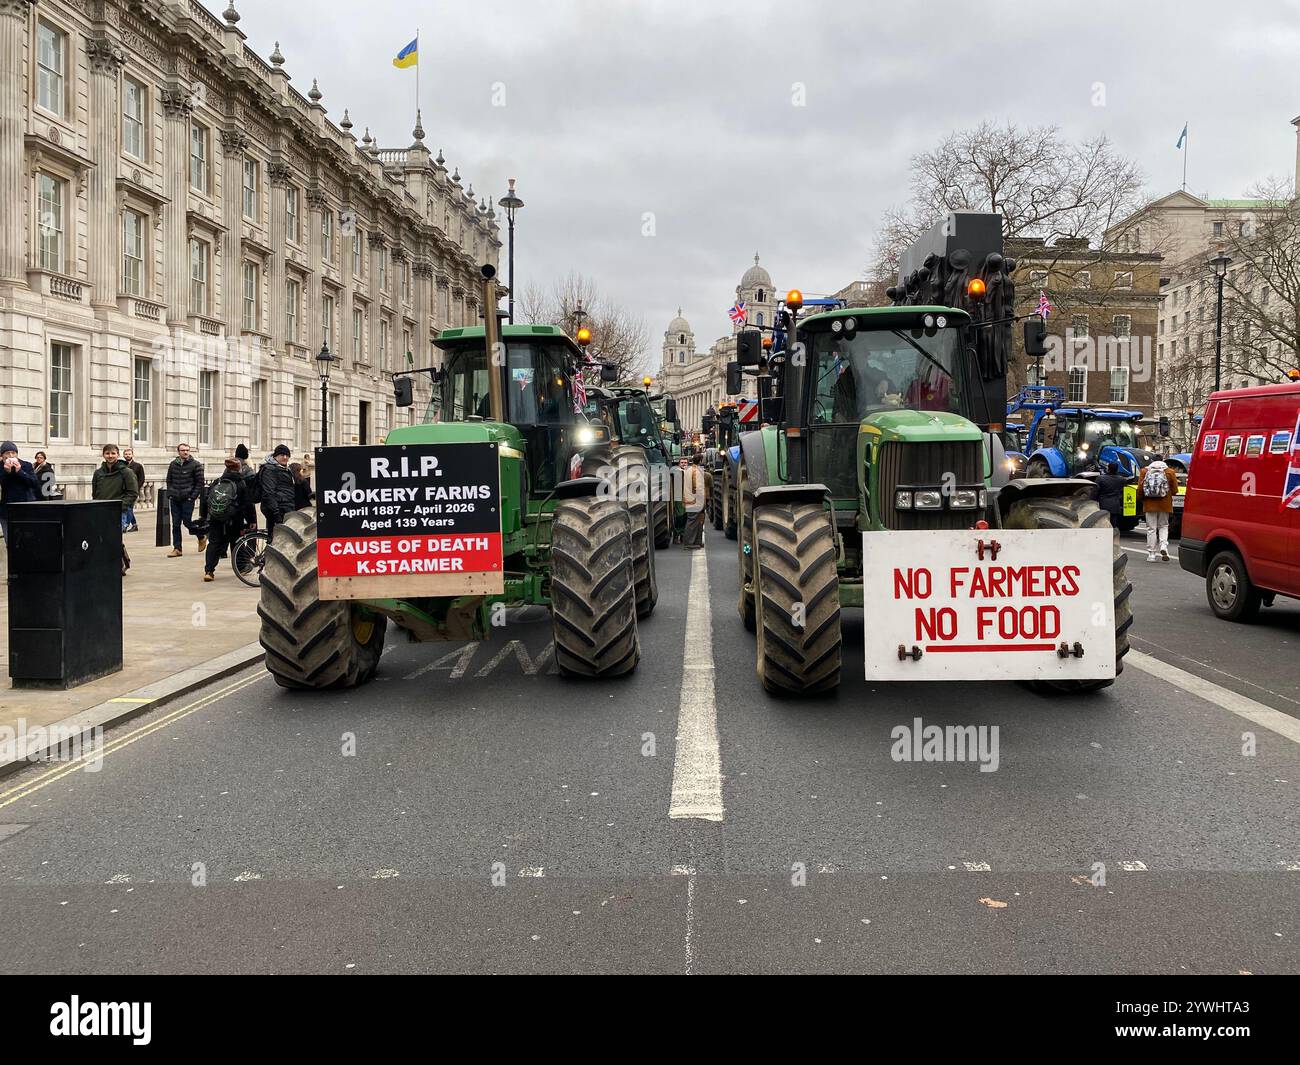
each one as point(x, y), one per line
point(965, 499)
point(928, 499)
point(941, 321)
point(585, 436)
point(837, 326)
point(903, 500)
point(984, 498)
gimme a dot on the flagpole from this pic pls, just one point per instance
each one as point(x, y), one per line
point(417, 83)
point(1186, 138)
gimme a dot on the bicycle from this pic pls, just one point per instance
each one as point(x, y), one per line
point(248, 555)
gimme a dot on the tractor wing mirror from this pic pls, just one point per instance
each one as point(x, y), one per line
point(749, 347)
point(733, 379)
point(1035, 337)
point(707, 424)
point(608, 372)
point(403, 391)
point(670, 410)
point(773, 408)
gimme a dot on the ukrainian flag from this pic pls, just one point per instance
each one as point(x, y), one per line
point(408, 56)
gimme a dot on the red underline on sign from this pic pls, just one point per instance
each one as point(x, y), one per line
point(991, 647)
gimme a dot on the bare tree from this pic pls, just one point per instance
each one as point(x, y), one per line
point(576, 300)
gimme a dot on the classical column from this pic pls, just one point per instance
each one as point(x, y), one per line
point(318, 205)
point(14, 19)
point(278, 174)
point(177, 103)
point(233, 146)
point(103, 221)
point(422, 269)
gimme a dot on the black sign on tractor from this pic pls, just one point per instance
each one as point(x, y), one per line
point(411, 519)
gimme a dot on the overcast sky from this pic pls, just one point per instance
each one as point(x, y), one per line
point(616, 108)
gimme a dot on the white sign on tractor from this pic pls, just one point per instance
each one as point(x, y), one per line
point(991, 604)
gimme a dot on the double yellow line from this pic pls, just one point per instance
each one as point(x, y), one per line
point(43, 780)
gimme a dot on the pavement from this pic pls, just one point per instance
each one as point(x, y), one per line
point(470, 811)
point(175, 628)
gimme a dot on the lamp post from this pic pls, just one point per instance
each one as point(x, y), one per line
point(1219, 264)
point(324, 360)
point(512, 204)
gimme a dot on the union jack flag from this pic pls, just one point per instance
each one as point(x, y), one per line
point(579, 392)
point(1044, 306)
point(739, 313)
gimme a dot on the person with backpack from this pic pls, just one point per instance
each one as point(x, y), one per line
point(1157, 486)
point(227, 515)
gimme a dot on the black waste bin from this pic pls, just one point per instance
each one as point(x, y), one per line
point(65, 592)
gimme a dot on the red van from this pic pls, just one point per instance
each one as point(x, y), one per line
point(1241, 517)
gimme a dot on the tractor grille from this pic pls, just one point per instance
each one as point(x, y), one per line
point(928, 464)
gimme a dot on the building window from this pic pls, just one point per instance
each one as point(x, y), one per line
point(406, 282)
point(60, 391)
point(357, 238)
point(1123, 278)
point(1119, 384)
point(49, 222)
point(256, 415)
point(382, 253)
point(51, 63)
point(1083, 279)
point(1078, 392)
point(383, 343)
point(250, 317)
point(291, 213)
point(300, 418)
point(133, 118)
point(327, 234)
point(1038, 277)
point(132, 253)
point(198, 276)
point(1034, 373)
point(292, 289)
point(1218, 229)
point(327, 321)
point(406, 343)
point(1122, 325)
point(357, 321)
point(1079, 325)
point(141, 400)
point(250, 189)
point(207, 419)
point(198, 157)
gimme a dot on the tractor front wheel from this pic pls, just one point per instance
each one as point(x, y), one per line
point(728, 507)
point(593, 588)
point(312, 642)
point(797, 595)
point(629, 475)
point(745, 549)
point(1037, 468)
point(1080, 512)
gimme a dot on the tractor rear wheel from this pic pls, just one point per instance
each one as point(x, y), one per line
point(797, 597)
point(663, 523)
point(745, 548)
point(728, 507)
point(312, 642)
point(593, 588)
point(630, 483)
point(715, 500)
point(1036, 467)
point(1080, 512)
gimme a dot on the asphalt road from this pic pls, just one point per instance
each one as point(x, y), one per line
point(497, 818)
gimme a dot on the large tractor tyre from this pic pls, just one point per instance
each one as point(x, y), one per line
point(631, 484)
point(728, 508)
point(715, 500)
point(1038, 468)
point(312, 642)
point(663, 522)
point(745, 548)
point(593, 588)
point(1080, 512)
point(1229, 590)
point(797, 599)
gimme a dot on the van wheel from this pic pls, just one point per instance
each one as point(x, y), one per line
point(1229, 590)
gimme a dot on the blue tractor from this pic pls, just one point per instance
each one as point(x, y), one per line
point(1086, 439)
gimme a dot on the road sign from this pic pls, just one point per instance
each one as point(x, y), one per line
point(408, 520)
point(1040, 607)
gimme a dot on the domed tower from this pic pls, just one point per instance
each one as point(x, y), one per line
point(755, 289)
point(679, 343)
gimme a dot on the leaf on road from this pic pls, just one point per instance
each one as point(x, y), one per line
point(994, 904)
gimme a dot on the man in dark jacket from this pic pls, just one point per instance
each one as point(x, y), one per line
point(1110, 492)
point(224, 530)
point(114, 480)
point(18, 483)
point(129, 455)
point(250, 478)
point(276, 480)
point(184, 486)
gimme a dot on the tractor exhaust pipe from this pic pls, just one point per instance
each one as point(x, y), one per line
point(492, 340)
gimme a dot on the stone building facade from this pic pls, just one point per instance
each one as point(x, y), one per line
point(181, 230)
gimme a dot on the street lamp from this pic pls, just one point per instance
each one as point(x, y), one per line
point(324, 360)
point(1219, 264)
point(512, 204)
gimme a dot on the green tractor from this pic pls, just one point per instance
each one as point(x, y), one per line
point(568, 541)
point(881, 432)
point(723, 428)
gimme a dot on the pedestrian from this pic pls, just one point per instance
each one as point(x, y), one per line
point(114, 480)
point(1157, 485)
point(250, 485)
point(46, 479)
point(694, 499)
point(129, 454)
point(277, 486)
point(227, 510)
point(184, 486)
point(302, 493)
point(1110, 492)
point(18, 483)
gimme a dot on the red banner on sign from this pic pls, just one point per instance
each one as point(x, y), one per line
point(370, 556)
